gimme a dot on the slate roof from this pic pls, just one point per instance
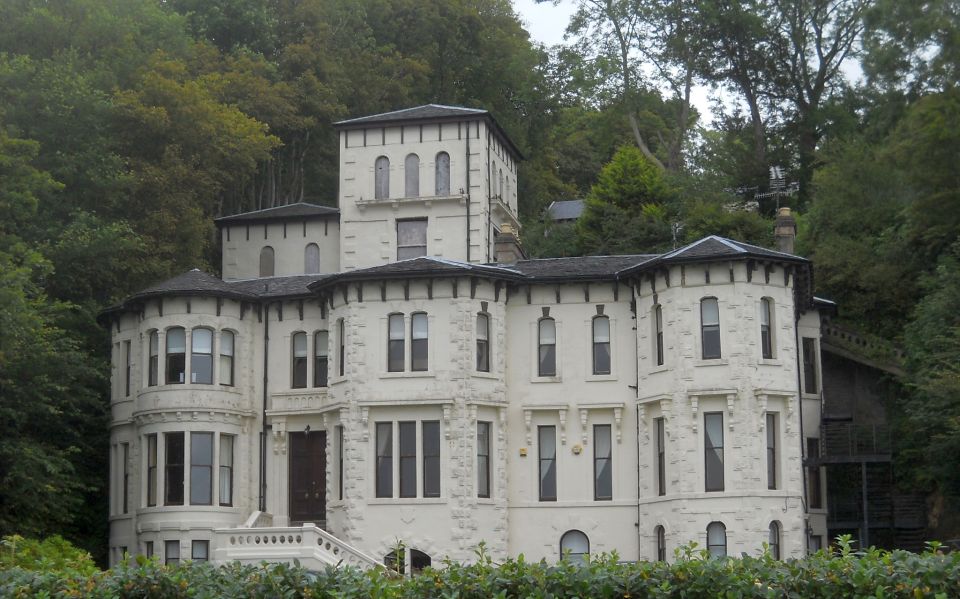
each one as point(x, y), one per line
point(299, 211)
point(429, 112)
point(716, 248)
point(423, 266)
point(425, 112)
point(274, 287)
point(580, 267)
point(565, 209)
point(193, 282)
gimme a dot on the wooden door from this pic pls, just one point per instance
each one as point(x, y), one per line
point(308, 478)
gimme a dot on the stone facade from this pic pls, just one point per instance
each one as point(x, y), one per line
point(274, 401)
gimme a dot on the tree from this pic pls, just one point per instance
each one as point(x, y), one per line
point(629, 209)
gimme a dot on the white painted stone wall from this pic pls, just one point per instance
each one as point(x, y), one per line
point(242, 243)
point(368, 225)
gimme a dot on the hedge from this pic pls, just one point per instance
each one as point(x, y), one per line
point(845, 573)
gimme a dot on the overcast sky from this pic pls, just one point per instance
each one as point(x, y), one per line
point(546, 24)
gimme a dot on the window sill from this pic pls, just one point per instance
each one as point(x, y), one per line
point(713, 362)
point(406, 374)
point(770, 362)
point(407, 501)
point(600, 377)
point(658, 369)
point(485, 375)
point(546, 379)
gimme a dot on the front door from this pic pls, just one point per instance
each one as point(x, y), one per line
point(308, 478)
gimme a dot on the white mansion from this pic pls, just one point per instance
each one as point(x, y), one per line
point(396, 372)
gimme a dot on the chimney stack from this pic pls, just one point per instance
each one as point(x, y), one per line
point(785, 230)
point(506, 246)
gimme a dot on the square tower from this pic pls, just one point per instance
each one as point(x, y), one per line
point(426, 181)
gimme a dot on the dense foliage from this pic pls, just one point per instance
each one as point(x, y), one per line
point(126, 126)
point(693, 574)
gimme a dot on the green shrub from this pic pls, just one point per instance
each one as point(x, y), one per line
point(53, 554)
point(846, 573)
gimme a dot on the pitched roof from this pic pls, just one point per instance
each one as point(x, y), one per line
point(714, 248)
point(565, 209)
point(425, 112)
point(300, 211)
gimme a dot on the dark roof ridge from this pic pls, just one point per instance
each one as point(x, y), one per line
point(297, 210)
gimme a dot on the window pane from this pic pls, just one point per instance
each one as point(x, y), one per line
point(717, 539)
point(418, 326)
point(431, 459)
point(765, 311)
point(602, 469)
point(574, 545)
point(300, 345)
point(201, 468)
point(483, 343)
point(408, 459)
point(226, 343)
point(548, 360)
point(202, 341)
point(154, 365)
point(226, 469)
point(171, 552)
point(483, 459)
point(713, 430)
point(809, 365)
point(321, 343)
point(601, 358)
point(711, 342)
point(176, 341)
point(774, 540)
point(411, 232)
point(548, 331)
point(200, 551)
point(547, 446)
point(709, 311)
point(418, 348)
point(601, 329)
point(151, 470)
point(384, 459)
point(771, 451)
point(661, 458)
point(405, 253)
point(299, 361)
point(395, 345)
point(173, 478)
point(226, 358)
point(483, 326)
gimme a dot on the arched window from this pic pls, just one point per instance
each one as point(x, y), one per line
point(574, 545)
point(176, 354)
point(266, 261)
point(710, 328)
point(299, 361)
point(311, 259)
point(381, 185)
point(766, 334)
point(395, 343)
point(226, 358)
point(547, 342)
point(443, 174)
point(500, 186)
point(717, 539)
point(601, 345)
point(419, 561)
point(201, 356)
point(411, 176)
point(658, 333)
point(418, 341)
point(774, 541)
point(153, 367)
point(483, 342)
point(320, 354)
point(661, 543)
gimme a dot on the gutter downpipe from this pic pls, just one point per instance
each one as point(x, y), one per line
point(263, 414)
point(636, 329)
point(468, 191)
point(489, 197)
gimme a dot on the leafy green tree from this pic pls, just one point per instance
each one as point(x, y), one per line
point(628, 210)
